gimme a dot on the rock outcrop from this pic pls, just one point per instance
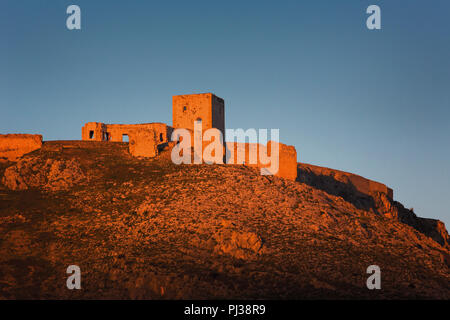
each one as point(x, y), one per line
point(51, 174)
point(370, 195)
point(236, 243)
point(340, 182)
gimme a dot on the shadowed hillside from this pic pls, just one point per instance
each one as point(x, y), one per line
point(150, 229)
point(370, 196)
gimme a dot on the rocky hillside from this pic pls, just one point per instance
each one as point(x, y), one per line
point(349, 186)
point(149, 229)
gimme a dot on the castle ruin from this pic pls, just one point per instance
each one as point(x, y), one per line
point(146, 140)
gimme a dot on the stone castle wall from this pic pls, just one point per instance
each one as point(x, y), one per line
point(144, 139)
point(287, 157)
point(239, 154)
point(13, 146)
point(97, 131)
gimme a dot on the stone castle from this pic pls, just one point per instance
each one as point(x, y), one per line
point(149, 139)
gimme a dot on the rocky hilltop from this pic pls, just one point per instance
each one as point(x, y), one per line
point(150, 229)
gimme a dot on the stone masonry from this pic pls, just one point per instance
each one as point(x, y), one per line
point(13, 146)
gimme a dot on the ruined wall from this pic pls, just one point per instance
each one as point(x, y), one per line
point(288, 161)
point(239, 153)
point(362, 185)
point(93, 131)
point(287, 157)
point(205, 106)
point(115, 132)
point(144, 143)
point(96, 131)
point(144, 138)
point(13, 146)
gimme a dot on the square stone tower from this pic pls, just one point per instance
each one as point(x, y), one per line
point(205, 106)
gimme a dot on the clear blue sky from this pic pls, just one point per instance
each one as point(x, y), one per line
point(375, 103)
